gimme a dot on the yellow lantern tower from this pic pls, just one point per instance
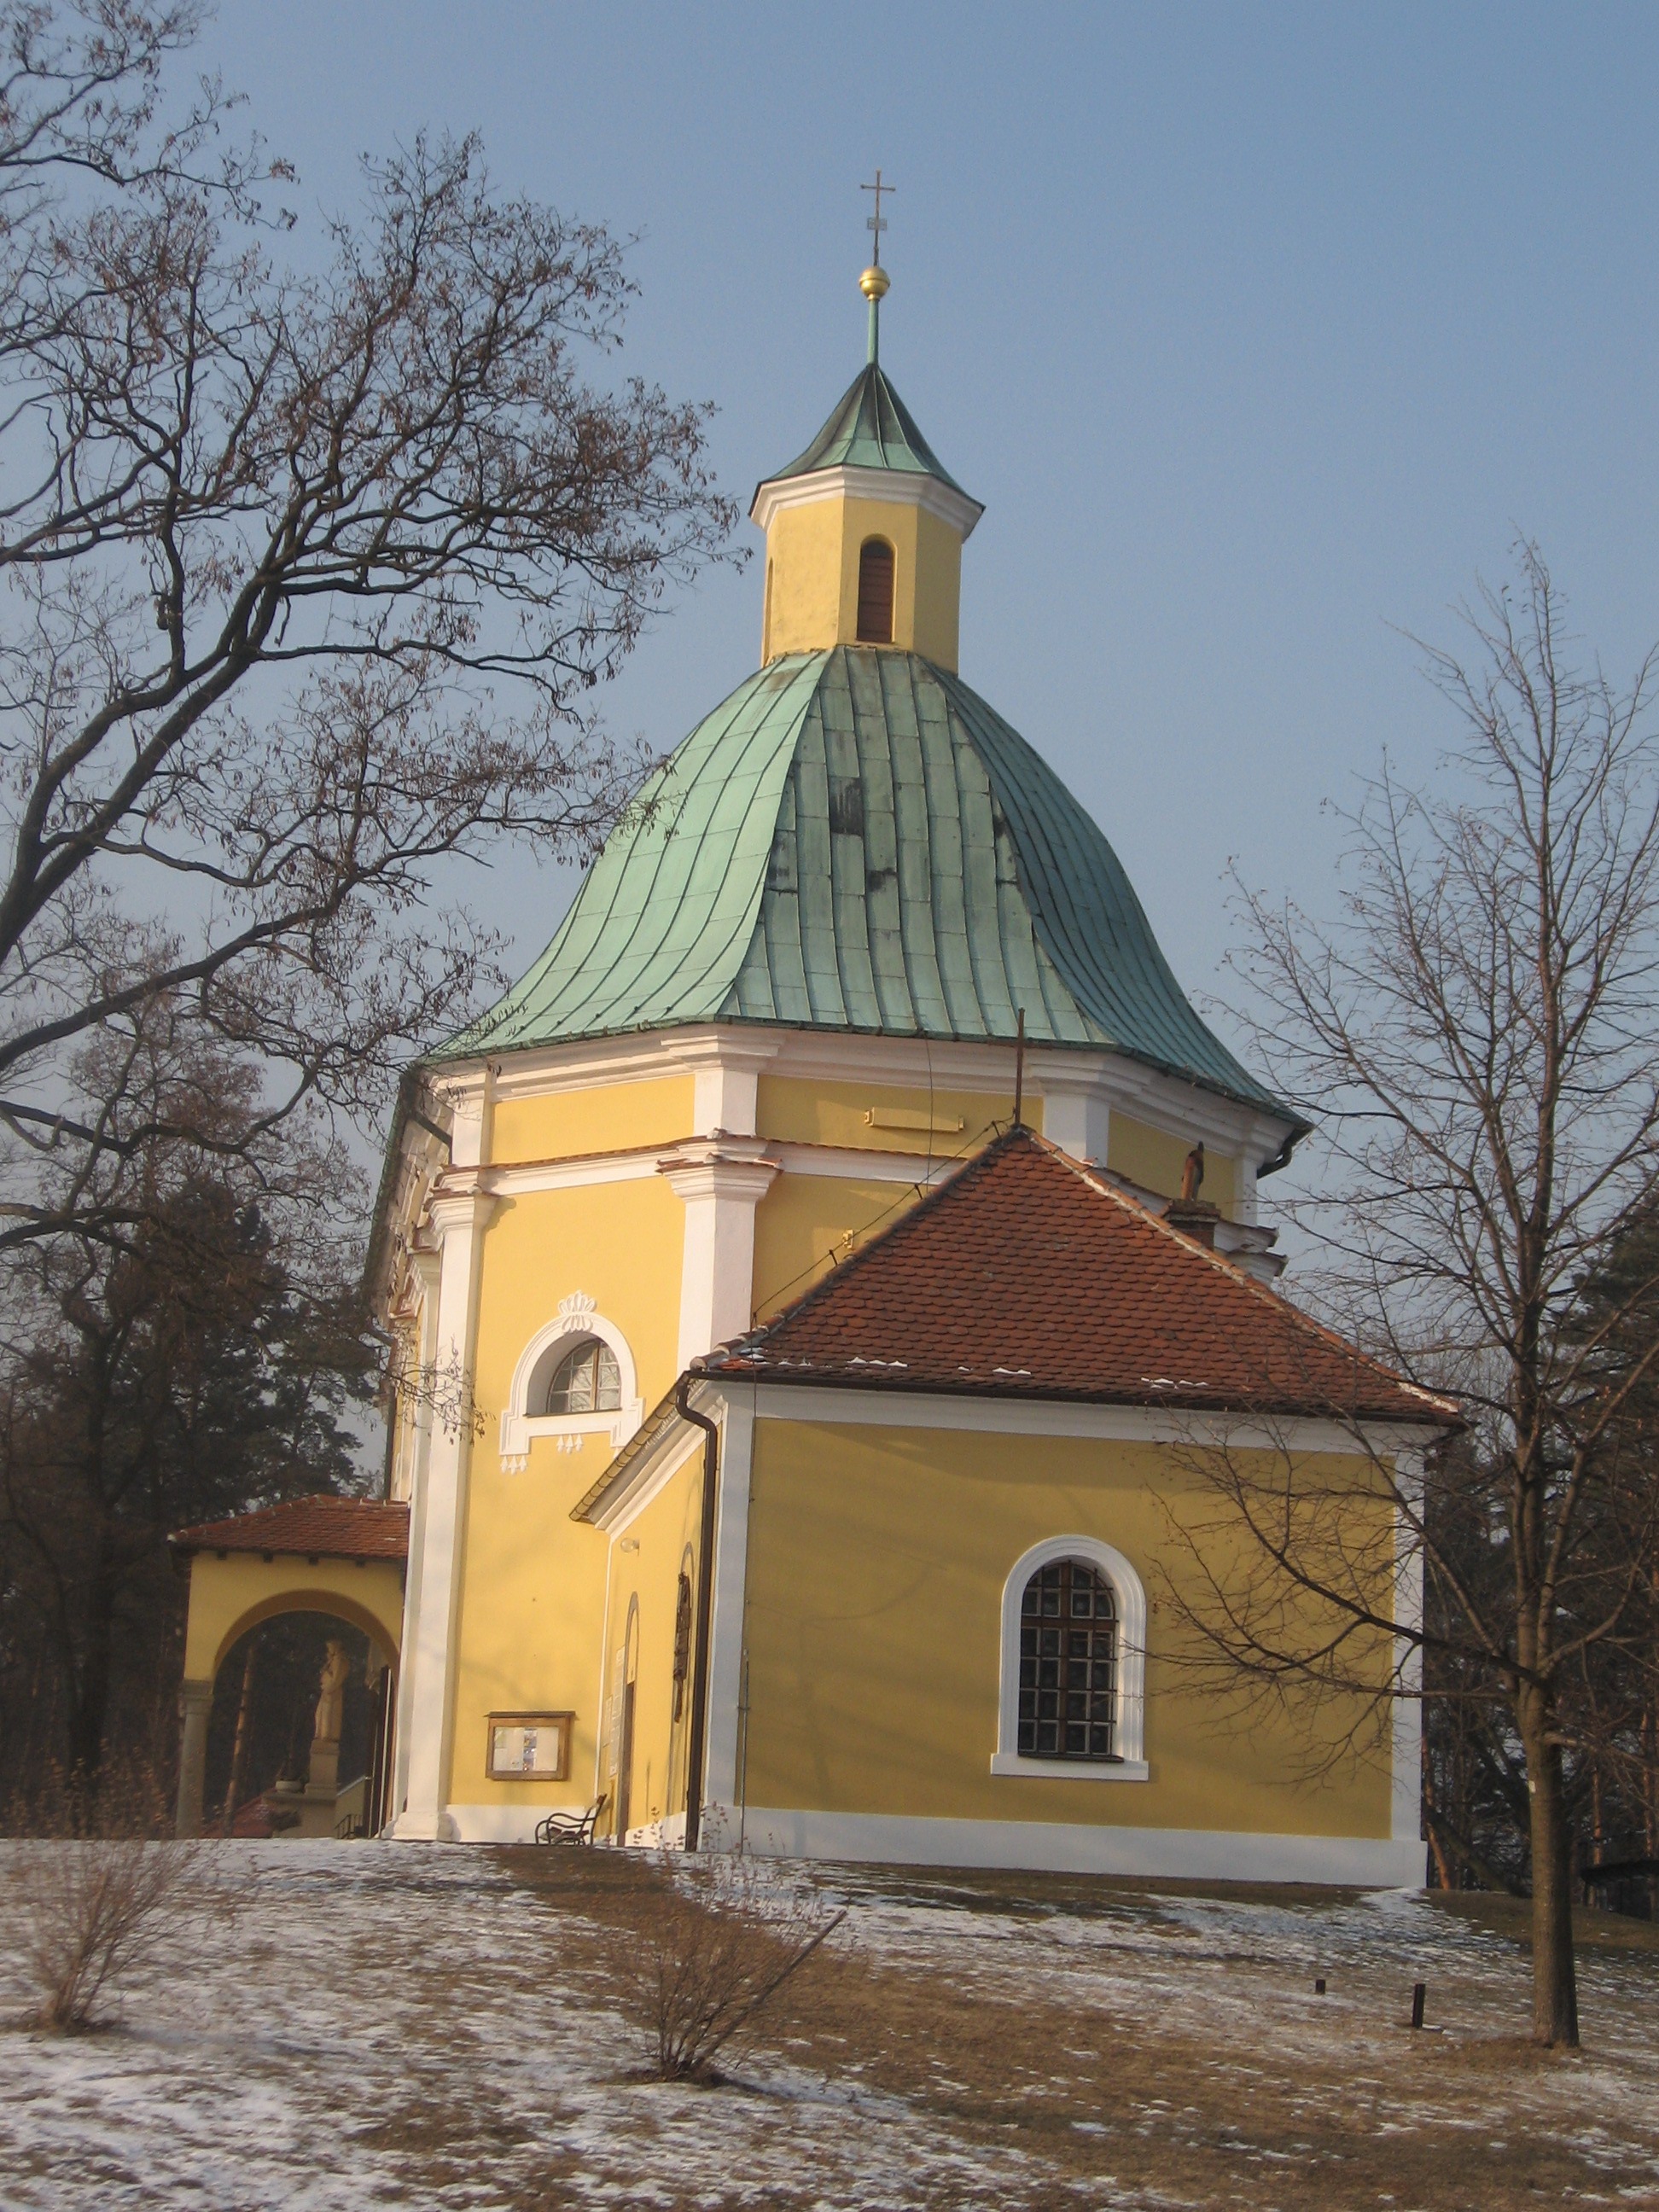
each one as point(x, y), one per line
point(864, 530)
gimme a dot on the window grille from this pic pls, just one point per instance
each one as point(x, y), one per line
point(588, 1380)
point(875, 591)
point(1068, 1664)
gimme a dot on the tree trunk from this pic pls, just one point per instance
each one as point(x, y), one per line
point(1554, 1980)
point(88, 1714)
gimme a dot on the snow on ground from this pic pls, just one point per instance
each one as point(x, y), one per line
point(398, 2028)
point(408, 2025)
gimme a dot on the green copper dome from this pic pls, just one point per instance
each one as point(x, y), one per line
point(854, 841)
point(870, 427)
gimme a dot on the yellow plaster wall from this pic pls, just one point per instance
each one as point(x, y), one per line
point(812, 586)
point(937, 621)
point(877, 1559)
point(533, 1580)
point(802, 1217)
point(803, 554)
point(1154, 1159)
point(793, 1111)
point(616, 1118)
point(661, 1535)
point(228, 1596)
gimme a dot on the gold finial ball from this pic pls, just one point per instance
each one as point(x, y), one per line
point(874, 281)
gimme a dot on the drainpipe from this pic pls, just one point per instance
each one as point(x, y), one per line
point(699, 1730)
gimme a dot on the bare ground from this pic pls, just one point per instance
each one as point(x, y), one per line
point(398, 2025)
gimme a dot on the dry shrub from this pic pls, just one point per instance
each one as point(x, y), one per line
point(96, 1912)
point(721, 1941)
point(129, 1796)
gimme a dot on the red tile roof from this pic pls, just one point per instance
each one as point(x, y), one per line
point(313, 1528)
point(1026, 1276)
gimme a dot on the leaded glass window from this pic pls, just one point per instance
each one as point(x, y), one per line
point(586, 1380)
point(1067, 1664)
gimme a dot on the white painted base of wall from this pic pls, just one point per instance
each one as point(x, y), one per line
point(499, 1824)
point(516, 1824)
point(422, 1828)
point(1177, 1854)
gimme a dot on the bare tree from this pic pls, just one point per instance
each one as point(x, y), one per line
point(311, 573)
point(1477, 1035)
point(719, 1945)
point(208, 1357)
point(98, 1910)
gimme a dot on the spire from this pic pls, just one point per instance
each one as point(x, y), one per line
point(864, 530)
point(874, 281)
point(874, 285)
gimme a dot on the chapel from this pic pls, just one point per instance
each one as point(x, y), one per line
point(811, 1284)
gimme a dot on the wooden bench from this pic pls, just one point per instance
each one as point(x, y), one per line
point(571, 1827)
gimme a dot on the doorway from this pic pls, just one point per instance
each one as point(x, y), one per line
point(629, 1656)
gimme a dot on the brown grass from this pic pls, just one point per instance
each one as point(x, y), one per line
point(712, 1953)
point(97, 1912)
point(1284, 2100)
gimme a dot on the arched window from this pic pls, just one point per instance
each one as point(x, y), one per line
point(586, 1380)
point(574, 1378)
point(1067, 1664)
point(1073, 1664)
point(875, 591)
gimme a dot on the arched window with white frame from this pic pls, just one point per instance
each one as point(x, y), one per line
point(585, 1379)
point(1073, 1668)
point(575, 1378)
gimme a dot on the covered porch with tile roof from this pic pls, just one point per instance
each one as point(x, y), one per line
point(343, 1557)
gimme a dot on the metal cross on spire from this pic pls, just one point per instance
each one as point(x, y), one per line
point(873, 282)
point(878, 222)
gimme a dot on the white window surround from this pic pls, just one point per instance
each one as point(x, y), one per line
point(1131, 1717)
point(576, 1317)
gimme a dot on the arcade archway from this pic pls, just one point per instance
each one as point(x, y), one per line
point(340, 1557)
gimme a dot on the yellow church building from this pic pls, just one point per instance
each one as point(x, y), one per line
point(807, 1317)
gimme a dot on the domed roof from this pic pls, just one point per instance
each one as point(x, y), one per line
point(856, 842)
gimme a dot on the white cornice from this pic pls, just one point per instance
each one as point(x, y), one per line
point(824, 1404)
point(725, 1167)
point(646, 1478)
point(892, 486)
point(1185, 1107)
point(642, 1467)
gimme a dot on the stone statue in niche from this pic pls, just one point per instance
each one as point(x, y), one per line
point(331, 1701)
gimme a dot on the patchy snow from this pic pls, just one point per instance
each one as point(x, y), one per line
point(398, 2026)
point(410, 2026)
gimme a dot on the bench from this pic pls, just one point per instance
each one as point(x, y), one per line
point(570, 1828)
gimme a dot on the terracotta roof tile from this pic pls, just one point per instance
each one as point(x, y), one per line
point(1026, 1276)
point(313, 1528)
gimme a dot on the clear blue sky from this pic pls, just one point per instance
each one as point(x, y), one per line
point(1258, 330)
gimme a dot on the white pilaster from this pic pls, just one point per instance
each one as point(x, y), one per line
point(1076, 1115)
point(458, 1218)
point(726, 1621)
point(720, 1182)
point(1407, 1825)
point(726, 1085)
point(426, 1266)
point(470, 1102)
point(1245, 1209)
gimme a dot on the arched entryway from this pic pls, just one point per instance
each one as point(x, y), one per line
point(341, 1559)
point(298, 1732)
